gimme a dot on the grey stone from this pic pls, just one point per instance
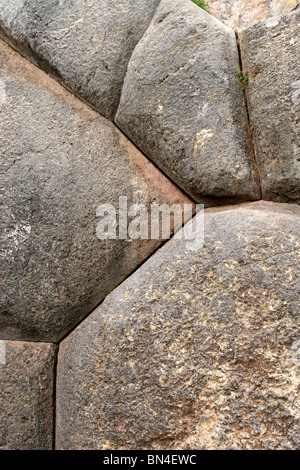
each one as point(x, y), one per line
point(270, 53)
point(85, 44)
point(183, 107)
point(197, 349)
point(59, 161)
point(26, 395)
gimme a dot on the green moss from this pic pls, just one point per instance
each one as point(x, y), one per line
point(201, 4)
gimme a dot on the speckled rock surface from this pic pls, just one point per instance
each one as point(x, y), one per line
point(26, 395)
point(183, 107)
point(244, 13)
point(85, 44)
point(60, 160)
point(197, 349)
point(270, 52)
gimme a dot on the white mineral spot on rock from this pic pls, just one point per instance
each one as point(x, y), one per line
point(296, 93)
point(202, 136)
point(160, 107)
point(19, 234)
point(205, 107)
point(2, 353)
point(296, 352)
point(271, 23)
point(2, 92)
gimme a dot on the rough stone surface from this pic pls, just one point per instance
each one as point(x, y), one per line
point(182, 105)
point(270, 53)
point(60, 160)
point(85, 44)
point(197, 349)
point(26, 395)
point(241, 14)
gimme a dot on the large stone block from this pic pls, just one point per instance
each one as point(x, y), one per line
point(60, 160)
point(85, 44)
point(270, 53)
point(241, 14)
point(197, 349)
point(183, 107)
point(26, 395)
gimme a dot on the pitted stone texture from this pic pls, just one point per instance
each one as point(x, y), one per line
point(183, 107)
point(270, 53)
point(85, 44)
point(26, 395)
point(196, 348)
point(60, 161)
point(241, 14)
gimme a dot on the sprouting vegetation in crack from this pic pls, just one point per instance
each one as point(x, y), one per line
point(201, 4)
point(242, 77)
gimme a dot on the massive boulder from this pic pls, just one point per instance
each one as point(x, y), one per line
point(183, 107)
point(243, 14)
point(270, 54)
point(84, 44)
point(60, 160)
point(26, 395)
point(197, 349)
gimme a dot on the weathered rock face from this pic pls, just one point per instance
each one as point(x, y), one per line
point(26, 395)
point(241, 14)
point(86, 44)
point(60, 161)
point(270, 52)
point(197, 349)
point(182, 105)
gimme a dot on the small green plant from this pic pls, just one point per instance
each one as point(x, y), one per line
point(202, 4)
point(243, 78)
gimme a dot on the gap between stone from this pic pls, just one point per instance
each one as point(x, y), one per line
point(250, 125)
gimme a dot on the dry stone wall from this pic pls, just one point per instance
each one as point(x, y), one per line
point(193, 348)
point(182, 106)
point(61, 160)
point(26, 395)
point(245, 13)
point(196, 349)
point(86, 45)
point(269, 52)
